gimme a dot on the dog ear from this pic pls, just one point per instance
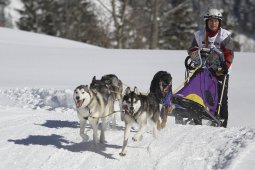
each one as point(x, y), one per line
point(136, 90)
point(94, 78)
point(86, 88)
point(127, 91)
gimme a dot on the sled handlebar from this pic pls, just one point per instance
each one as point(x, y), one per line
point(200, 56)
point(211, 50)
point(207, 50)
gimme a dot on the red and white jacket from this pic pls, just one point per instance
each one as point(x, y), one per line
point(220, 39)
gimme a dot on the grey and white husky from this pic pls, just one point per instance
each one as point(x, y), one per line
point(138, 108)
point(92, 107)
point(109, 85)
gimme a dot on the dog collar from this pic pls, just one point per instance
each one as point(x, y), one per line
point(134, 116)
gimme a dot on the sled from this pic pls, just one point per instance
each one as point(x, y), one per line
point(197, 102)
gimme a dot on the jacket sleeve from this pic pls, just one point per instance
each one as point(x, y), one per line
point(227, 47)
point(193, 47)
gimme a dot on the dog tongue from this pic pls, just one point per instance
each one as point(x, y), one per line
point(79, 103)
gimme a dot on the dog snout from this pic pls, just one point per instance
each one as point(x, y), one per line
point(131, 109)
point(77, 98)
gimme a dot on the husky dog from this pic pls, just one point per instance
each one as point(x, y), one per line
point(100, 87)
point(138, 108)
point(91, 106)
point(115, 85)
point(161, 88)
point(109, 84)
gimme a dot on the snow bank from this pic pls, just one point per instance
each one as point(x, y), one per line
point(38, 98)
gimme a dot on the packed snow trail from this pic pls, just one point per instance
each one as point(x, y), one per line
point(47, 137)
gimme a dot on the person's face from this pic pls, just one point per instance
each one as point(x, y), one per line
point(213, 24)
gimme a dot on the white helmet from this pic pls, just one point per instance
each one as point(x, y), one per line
point(213, 13)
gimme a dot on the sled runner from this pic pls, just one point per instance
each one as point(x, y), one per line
point(198, 99)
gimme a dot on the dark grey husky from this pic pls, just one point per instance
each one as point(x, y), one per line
point(138, 108)
point(115, 86)
point(110, 87)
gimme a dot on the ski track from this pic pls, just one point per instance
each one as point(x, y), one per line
point(245, 160)
point(36, 138)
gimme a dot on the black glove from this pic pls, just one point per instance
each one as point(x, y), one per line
point(224, 68)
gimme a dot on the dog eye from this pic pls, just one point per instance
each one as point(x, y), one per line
point(83, 92)
point(107, 81)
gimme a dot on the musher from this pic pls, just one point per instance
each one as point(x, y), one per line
point(218, 39)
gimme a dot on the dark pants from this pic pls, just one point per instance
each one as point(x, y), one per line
point(224, 103)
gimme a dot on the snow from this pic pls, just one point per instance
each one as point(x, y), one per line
point(39, 128)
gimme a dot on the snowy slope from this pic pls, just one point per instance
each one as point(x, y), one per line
point(39, 128)
point(18, 39)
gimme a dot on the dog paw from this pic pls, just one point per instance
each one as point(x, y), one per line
point(85, 137)
point(96, 141)
point(93, 146)
point(163, 125)
point(122, 154)
point(158, 125)
point(103, 141)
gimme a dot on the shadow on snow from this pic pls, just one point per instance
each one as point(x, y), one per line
point(70, 124)
point(60, 124)
point(61, 143)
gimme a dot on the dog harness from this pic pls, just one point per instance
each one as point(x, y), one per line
point(135, 115)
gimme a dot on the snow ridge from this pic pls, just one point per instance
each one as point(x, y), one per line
point(39, 98)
